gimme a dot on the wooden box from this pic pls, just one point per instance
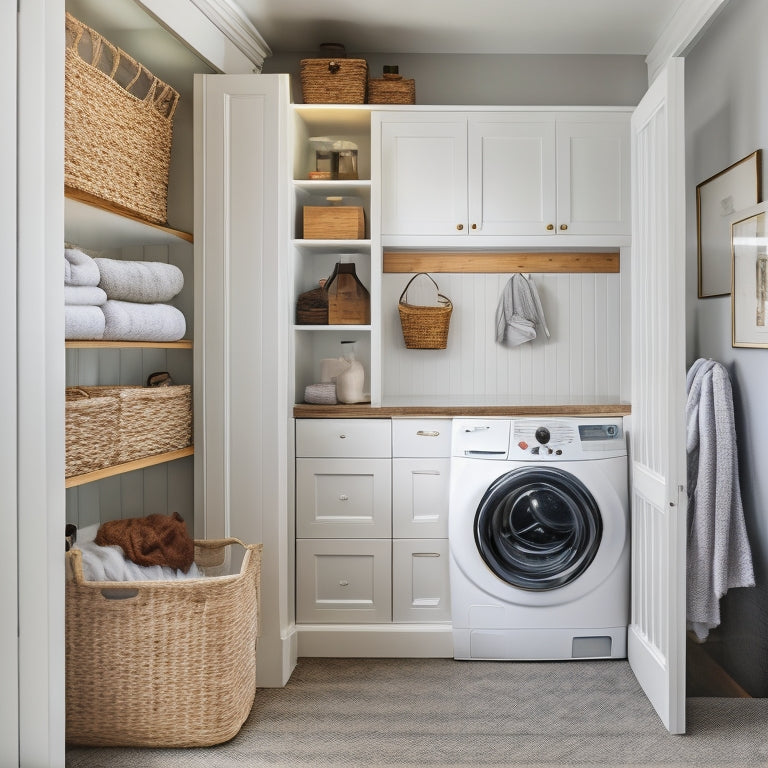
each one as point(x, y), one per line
point(336, 222)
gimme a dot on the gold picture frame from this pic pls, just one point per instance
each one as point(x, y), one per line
point(718, 198)
point(749, 277)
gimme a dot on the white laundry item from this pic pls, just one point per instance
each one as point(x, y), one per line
point(84, 296)
point(145, 282)
point(519, 312)
point(719, 556)
point(133, 321)
point(83, 322)
point(79, 268)
point(110, 564)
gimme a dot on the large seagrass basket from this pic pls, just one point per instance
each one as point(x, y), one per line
point(163, 663)
point(118, 124)
point(333, 81)
point(424, 327)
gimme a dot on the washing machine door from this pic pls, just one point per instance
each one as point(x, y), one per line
point(538, 528)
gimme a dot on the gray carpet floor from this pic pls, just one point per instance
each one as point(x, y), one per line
point(439, 712)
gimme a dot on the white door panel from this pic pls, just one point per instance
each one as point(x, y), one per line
point(656, 643)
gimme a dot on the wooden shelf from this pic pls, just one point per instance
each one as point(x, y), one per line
point(95, 223)
point(332, 327)
point(119, 469)
point(97, 344)
point(491, 262)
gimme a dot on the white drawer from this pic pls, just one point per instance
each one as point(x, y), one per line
point(339, 498)
point(420, 498)
point(420, 586)
point(343, 581)
point(421, 437)
point(354, 438)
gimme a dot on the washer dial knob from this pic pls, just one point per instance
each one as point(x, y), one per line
point(542, 435)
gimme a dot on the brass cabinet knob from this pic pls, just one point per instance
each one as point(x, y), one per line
point(459, 227)
point(550, 227)
point(474, 226)
point(563, 227)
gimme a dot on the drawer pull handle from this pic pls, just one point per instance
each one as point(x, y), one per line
point(343, 497)
point(342, 437)
point(425, 472)
point(428, 433)
point(343, 583)
point(426, 554)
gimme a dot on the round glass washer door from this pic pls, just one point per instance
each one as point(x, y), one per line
point(538, 528)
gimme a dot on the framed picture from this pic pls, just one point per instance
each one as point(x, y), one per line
point(749, 297)
point(717, 200)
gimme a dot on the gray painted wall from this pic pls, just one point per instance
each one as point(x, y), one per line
point(498, 80)
point(726, 86)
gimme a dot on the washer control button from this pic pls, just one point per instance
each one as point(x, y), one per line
point(522, 445)
point(542, 435)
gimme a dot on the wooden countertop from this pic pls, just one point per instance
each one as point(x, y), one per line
point(468, 406)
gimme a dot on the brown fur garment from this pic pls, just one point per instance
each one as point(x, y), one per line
point(151, 540)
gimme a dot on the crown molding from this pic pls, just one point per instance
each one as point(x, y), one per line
point(233, 23)
point(689, 21)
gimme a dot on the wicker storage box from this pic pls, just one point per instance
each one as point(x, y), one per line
point(162, 663)
point(424, 327)
point(118, 123)
point(90, 424)
point(333, 81)
point(312, 307)
point(142, 421)
point(334, 222)
point(392, 89)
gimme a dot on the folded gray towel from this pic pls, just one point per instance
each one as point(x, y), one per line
point(79, 268)
point(131, 321)
point(146, 282)
point(83, 322)
point(84, 295)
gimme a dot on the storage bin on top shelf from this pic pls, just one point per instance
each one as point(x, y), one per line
point(108, 425)
point(118, 125)
point(163, 663)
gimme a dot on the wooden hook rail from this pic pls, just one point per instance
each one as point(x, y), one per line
point(490, 262)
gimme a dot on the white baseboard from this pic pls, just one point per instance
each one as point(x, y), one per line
point(375, 640)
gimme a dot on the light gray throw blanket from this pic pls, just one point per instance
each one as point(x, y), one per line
point(84, 295)
point(129, 321)
point(519, 312)
point(147, 282)
point(83, 323)
point(719, 557)
point(79, 268)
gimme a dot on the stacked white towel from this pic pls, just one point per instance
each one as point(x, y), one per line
point(137, 292)
point(83, 299)
point(719, 557)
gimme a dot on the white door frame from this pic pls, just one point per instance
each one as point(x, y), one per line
point(40, 377)
point(9, 595)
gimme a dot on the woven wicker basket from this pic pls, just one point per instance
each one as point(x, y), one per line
point(312, 307)
point(90, 423)
point(137, 421)
point(172, 663)
point(333, 81)
point(118, 123)
point(392, 89)
point(425, 327)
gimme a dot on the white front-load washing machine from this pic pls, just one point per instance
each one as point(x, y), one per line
point(539, 538)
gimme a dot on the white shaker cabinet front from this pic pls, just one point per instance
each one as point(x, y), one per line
point(504, 173)
point(424, 174)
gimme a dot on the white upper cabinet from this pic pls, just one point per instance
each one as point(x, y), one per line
point(504, 173)
point(593, 191)
point(424, 174)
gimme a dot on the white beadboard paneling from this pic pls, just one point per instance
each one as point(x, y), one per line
point(582, 357)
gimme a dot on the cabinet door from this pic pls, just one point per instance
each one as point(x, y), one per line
point(420, 497)
point(424, 175)
point(593, 192)
point(343, 580)
point(420, 586)
point(512, 175)
point(342, 498)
